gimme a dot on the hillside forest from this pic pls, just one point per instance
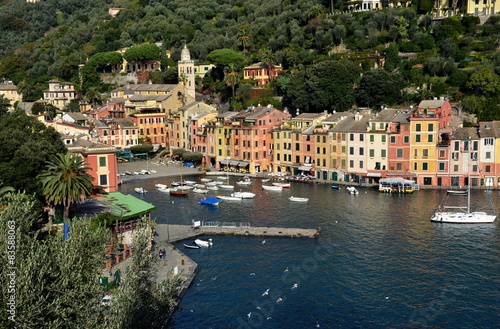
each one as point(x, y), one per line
point(331, 57)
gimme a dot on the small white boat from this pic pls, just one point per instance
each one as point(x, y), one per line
point(164, 190)
point(219, 183)
point(244, 182)
point(145, 172)
point(199, 185)
point(160, 185)
point(228, 198)
point(222, 177)
point(152, 171)
point(266, 180)
point(212, 188)
point(140, 190)
point(352, 190)
point(211, 183)
point(191, 246)
point(284, 185)
point(190, 182)
point(272, 188)
point(456, 192)
point(203, 243)
point(199, 190)
point(135, 173)
point(243, 195)
point(205, 180)
point(228, 187)
point(294, 198)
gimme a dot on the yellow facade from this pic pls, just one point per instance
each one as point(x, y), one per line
point(423, 150)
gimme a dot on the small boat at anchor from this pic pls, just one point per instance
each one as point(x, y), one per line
point(210, 201)
point(140, 190)
point(352, 190)
point(297, 199)
point(191, 246)
point(272, 188)
point(456, 192)
point(203, 243)
point(179, 192)
point(243, 195)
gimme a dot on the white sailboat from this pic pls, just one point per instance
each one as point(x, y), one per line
point(462, 215)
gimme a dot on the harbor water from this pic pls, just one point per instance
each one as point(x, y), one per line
point(378, 263)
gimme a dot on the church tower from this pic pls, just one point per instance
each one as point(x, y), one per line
point(186, 69)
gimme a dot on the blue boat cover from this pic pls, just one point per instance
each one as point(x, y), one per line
point(210, 200)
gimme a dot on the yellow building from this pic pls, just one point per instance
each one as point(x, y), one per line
point(9, 91)
point(426, 122)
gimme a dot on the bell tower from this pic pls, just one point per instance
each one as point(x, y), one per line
point(186, 72)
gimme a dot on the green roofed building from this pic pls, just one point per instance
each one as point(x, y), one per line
point(125, 209)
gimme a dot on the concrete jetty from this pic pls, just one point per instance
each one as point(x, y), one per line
point(176, 233)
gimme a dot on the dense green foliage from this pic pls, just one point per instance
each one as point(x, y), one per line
point(26, 145)
point(56, 285)
point(51, 38)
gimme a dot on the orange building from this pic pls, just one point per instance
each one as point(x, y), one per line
point(260, 73)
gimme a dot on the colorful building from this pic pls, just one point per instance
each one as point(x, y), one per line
point(260, 73)
point(100, 158)
point(426, 123)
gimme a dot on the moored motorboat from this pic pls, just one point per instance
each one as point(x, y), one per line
point(212, 188)
point(228, 198)
point(272, 188)
point(294, 198)
point(335, 187)
point(352, 190)
point(456, 192)
point(164, 190)
point(203, 243)
point(200, 191)
point(140, 190)
point(191, 246)
point(160, 185)
point(210, 201)
point(243, 195)
point(266, 180)
point(284, 185)
point(228, 187)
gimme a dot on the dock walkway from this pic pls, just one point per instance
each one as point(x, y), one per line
point(176, 233)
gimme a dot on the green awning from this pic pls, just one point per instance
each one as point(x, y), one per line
point(126, 206)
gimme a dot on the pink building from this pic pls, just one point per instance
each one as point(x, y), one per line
point(251, 137)
point(399, 145)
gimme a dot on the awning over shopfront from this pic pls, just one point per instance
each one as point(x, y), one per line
point(374, 174)
point(305, 168)
point(234, 163)
point(224, 162)
point(243, 164)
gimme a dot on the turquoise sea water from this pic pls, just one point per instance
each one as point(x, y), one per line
point(379, 262)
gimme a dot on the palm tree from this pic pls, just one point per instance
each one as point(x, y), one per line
point(93, 95)
point(24, 88)
point(243, 39)
point(65, 181)
point(232, 78)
